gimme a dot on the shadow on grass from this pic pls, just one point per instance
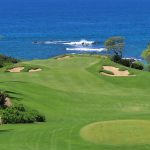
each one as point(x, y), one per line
point(5, 131)
point(13, 81)
point(10, 93)
point(15, 98)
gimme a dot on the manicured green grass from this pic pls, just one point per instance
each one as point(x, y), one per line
point(72, 94)
point(118, 132)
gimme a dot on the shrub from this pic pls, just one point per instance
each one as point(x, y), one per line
point(20, 114)
point(137, 65)
point(27, 68)
point(126, 62)
point(116, 58)
point(27, 117)
point(20, 107)
point(5, 60)
point(38, 117)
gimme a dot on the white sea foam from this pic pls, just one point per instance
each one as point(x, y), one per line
point(86, 49)
point(54, 42)
point(133, 58)
point(75, 43)
point(48, 42)
point(81, 43)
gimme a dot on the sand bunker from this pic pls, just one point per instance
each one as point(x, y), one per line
point(17, 69)
point(35, 70)
point(115, 71)
point(63, 58)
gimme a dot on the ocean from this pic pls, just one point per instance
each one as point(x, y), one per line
point(40, 29)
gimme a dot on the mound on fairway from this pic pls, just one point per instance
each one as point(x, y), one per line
point(131, 132)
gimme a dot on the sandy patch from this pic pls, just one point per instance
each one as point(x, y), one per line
point(17, 69)
point(115, 71)
point(63, 58)
point(8, 102)
point(35, 70)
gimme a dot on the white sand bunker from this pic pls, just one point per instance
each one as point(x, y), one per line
point(35, 70)
point(115, 71)
point(17, 69)
point(63, 58)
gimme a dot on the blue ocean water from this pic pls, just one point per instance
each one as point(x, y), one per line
point(38, 29)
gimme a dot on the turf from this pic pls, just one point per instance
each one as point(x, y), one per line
point(118, 132)
point(72, 94)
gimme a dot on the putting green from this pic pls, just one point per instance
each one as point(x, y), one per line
point(131, 132)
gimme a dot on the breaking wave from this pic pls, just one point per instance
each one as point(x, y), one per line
point(81, 43)
point(86, 49)
point(75, 43)
point(48, 42)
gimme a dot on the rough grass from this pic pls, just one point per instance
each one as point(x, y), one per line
point(107, 72)
point(123, 68)
point(72, 94)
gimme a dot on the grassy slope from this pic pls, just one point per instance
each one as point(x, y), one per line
point(72, 94)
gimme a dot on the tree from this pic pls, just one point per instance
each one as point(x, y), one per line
point(115, 44)
point(146, 54)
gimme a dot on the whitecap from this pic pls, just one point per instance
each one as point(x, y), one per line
point(81, 43)
point(86, 49)
point(48, 42)
point(54, 42)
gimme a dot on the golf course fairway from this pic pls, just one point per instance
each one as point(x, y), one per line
point(84, 109)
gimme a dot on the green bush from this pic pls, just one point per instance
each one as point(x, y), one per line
point(126, 62)
point(19, 107)
point(38, 117)
point(137, 65)
point(27, 68)
point(5, 60)
point(20, 114)
point(116, 58)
